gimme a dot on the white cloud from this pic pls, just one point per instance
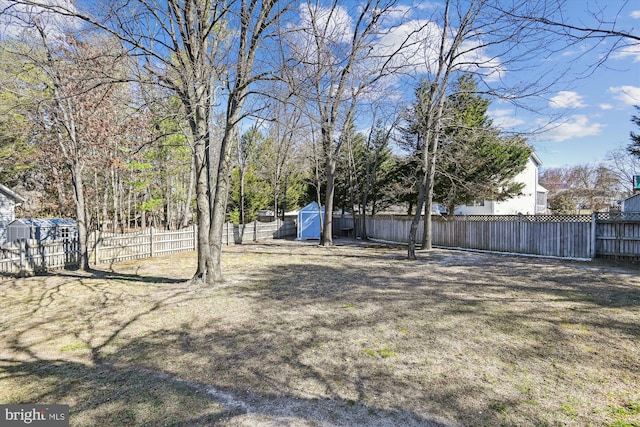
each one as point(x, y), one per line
point(628, 95)
point(504, 118)
point(576, 126)
point(566, 99)
point(606, 107)
point(17, 18)
point(632, 51)
point(333, 24)
point(415, 37)
point(420, 42)
point(635, 14)
point(398, 12)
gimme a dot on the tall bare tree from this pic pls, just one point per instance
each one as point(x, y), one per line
point(334, 64)
point(199, 49)
point(77, 108)
point(490, 39)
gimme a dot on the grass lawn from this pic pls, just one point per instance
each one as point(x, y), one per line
point(349, 335)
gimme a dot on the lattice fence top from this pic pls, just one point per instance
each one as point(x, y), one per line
point(618, 216)
point(517, 218)
point(600, 216)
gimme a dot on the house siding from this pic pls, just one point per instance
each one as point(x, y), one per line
point(525, 204)
point(7, 214)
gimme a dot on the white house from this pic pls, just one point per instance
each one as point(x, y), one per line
point(9, 199)
point(532, 201)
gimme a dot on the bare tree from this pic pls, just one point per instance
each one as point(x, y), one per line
point(199, 50)
point(625, 167)
point(77, 108)
point(487, 38)
point(334, 65)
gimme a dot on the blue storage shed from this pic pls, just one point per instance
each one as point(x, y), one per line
point(42, 229)
point(310, 221)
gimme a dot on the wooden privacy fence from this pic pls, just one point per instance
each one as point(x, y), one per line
point(565, 236)
point(618, 235)
point(31, 256)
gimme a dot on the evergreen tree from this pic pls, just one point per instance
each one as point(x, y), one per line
point(634, 147)
point(476, 161)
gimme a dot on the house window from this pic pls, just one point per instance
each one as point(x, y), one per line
point(476, 203)
point(541, 198)
point(64, 233)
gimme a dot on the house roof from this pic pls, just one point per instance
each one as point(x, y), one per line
point(45, 222)
point(536, 159)
point(12, 194)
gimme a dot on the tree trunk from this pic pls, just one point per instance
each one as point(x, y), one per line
point(187, 202)
point(413, 230)
point(202, 211)
point(220, 205)
point(326, 237)
point(81, 214)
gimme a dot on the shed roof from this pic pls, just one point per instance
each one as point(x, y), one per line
point(635, 196)
point(12, 194)
point(631, 204)
point(46, 222)
point(311, 207)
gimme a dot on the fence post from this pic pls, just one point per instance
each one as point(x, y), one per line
point(151, 241)
point(255, 230)
point(96, 247)
point(23, 257)
point(594, 237)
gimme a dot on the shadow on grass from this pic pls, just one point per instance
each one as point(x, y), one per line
point(111, 377)
point(109, 395)
point(335, 340)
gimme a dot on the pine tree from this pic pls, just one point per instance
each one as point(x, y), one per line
point(477, 162)
point(634, 147)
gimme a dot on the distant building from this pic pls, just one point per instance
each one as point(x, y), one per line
point(631, 204)
point(532, 201)
point(42, 229)
point(9, 199)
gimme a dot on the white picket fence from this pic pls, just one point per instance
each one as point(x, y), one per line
point(27, 257)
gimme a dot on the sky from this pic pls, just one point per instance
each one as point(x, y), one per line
point(595, 110)
point(576, 121)
point(587, 116)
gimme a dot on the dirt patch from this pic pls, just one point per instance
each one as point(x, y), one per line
point(348, 335)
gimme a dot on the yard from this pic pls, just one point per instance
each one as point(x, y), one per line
point(349, 335)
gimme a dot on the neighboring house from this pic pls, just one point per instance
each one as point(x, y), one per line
point(631, 204)
point(532, 201)
point(9, 199)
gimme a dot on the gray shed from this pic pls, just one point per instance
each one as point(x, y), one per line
point(631, 204)
point(42, 229)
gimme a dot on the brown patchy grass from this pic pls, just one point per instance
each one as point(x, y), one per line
point(348, 335)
